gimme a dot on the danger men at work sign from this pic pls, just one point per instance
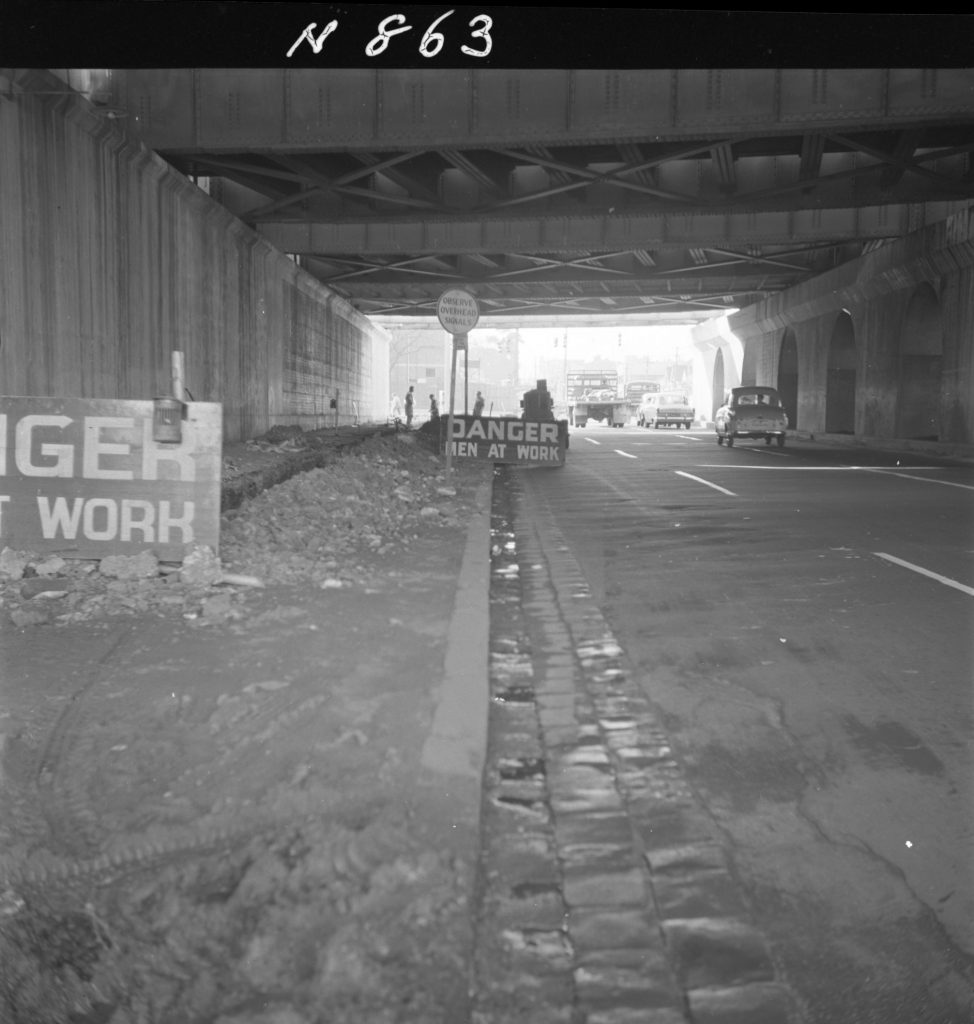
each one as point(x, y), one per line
point(508, 440)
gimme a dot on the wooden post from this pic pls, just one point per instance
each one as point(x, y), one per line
point(178, 381)
point(449, 419)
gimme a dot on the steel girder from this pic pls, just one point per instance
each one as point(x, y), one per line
point(547, 191)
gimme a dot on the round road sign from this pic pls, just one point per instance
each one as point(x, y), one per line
point(458, 311)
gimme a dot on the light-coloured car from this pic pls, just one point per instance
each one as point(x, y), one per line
point(664, 409)
point(751, 411)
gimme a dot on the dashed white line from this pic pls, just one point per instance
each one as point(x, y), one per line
point(945, 580)
point(706, 483)
point(626, 455)
point(591, 440)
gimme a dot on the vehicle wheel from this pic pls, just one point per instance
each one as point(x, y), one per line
point(720, 439)
point(730, 440)
point(781, 440)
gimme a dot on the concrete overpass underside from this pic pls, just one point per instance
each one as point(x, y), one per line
point(660, 195)
point(815, 225)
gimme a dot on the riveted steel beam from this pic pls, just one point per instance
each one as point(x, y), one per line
point(339, 109)
point(557, 234)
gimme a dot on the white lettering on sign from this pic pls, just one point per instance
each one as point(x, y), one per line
point(457, 311)
point(87, 477)
point(537, 452)
point(153, 454)
point(62, 453)
point(94, 448)
point(107, 519)
point(508, 440)
point(464, 448)
point(56, 453)
point(505, 430)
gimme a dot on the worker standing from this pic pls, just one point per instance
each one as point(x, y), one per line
point(409, 407)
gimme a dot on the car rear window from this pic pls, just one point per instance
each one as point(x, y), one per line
point(759, 399)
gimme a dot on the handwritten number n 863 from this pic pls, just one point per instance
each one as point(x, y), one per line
point(432, 41)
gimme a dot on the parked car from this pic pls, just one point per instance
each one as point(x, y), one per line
point(751, 411)
point(665, 408)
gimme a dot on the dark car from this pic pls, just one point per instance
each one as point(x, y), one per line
point(751, 411)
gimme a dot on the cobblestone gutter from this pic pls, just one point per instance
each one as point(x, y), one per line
point(606, 897)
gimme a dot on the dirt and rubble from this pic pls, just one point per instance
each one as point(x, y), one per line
point(209, 807)
point(297, 509)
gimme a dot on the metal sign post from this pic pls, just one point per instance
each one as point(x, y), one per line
point(449, 421)
point(458, 313)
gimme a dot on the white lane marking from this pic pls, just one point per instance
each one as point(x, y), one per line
point(706, 483)
point(947, 582)
point(591, 440)
point(671, 440)
point(841, 469)
point(893, 471)
point(624, 454)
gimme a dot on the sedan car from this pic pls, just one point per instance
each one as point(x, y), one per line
point(751, 411)
point(666, 408)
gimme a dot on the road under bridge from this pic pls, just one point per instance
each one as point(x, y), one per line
point(814, 226)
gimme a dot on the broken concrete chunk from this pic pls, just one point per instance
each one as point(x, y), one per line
point(130, 567)
point(201, 566)
point(50, 566)
point(38, 585)
point(13, 563)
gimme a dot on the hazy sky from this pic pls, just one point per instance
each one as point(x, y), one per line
point(585, 342)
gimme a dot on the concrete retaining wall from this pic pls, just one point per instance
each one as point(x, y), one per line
point(110, 260)
point(875, 293)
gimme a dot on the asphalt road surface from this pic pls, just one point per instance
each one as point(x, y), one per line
point(802, 620)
